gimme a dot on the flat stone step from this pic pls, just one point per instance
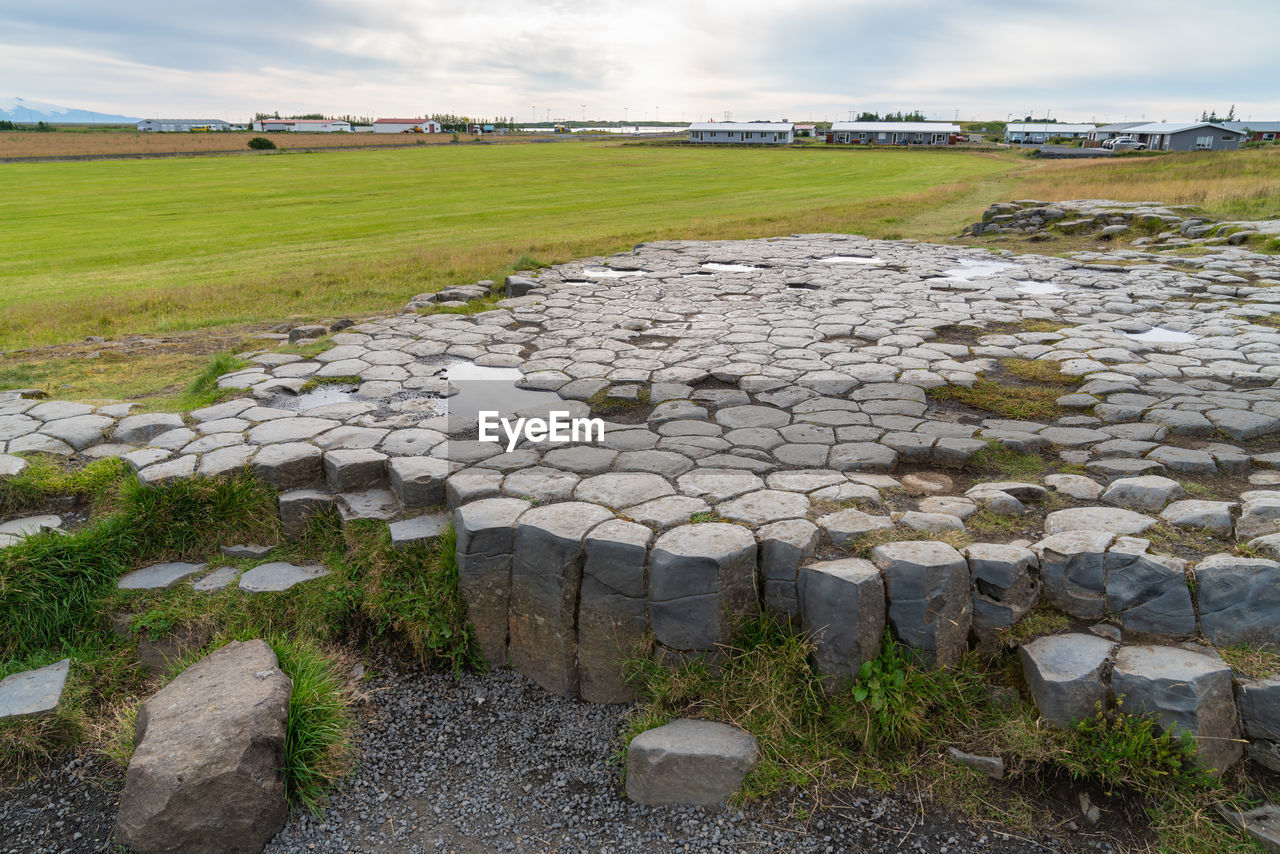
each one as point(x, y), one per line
point(158, 576)
point(33, 692)
point(17, 529)
point(278, 576)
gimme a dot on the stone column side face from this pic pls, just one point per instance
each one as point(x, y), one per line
point(485, 533)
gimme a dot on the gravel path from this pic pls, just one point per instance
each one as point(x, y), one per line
point(494, 763)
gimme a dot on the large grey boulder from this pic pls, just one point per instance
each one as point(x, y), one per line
point(702, 577)
point(1184, 691)
point(842, 608)
point(206, 773)
point(546, 576)
point(485, 536)
point(33, 692)
point(1239, 599)
point(1006, 584)
point(611, 613)
point(1066, 676)
point(688, 762)
point(1073, 570)
point(930, 606)
point(1148, 594)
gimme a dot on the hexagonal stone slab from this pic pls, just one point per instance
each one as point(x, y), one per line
point(486, 531)
point(622, 489)
point(546, 576)
point(611, 610)
point(764, 506)
point(1073, 569)
point(1239, 599)
point(1115, 520)
point(279, 575)
point(1149, 493)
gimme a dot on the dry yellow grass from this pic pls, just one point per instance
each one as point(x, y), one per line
point(66, 144)
point(1239, 184)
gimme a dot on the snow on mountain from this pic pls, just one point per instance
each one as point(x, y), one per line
point(27, 110)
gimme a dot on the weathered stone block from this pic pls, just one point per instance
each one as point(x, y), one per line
point(842, 607)
point(1073, 570)
point(1184, 691)
point(485, 538)
point(1239, 599)
point(688, 762)
point(611, 612)
point(546, 575)
point(1066, 676)
point(701, 578)
point(930, 606)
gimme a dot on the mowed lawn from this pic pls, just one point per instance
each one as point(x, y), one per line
point(152, 246)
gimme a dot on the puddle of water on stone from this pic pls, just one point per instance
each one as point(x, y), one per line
point(973, 268)
point(493, 389)
point(606, 273)
point(729, 268)
point(1029, 287)
point(322, 395)
point(850, 259)
point(1162, 335)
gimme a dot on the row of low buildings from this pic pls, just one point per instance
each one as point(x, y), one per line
point(293, 125)
point(840, 133)
point(1157, 136)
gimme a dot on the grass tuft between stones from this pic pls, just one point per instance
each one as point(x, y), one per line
point(889, 729)
point(1016, 402)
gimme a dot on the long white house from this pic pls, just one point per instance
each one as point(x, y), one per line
point(893, 133)
point(181, 125)
point(743, 133)
point(406, 126)
point(302, 126)
point(1037, 133)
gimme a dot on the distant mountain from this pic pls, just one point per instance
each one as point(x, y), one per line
point(24, 110)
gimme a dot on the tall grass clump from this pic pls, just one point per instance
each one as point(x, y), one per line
point(43, 479)
point(318, 727)
point(204, 390)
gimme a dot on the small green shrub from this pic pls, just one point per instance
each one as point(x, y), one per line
point(261, 143)
point(1126, 751)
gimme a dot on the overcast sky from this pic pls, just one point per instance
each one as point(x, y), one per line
point(1082, 60)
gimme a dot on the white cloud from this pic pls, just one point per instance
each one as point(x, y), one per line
point(696, 58)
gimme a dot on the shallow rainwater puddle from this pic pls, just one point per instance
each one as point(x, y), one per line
point(322, 395)
point(698, 276)
point(606, 273)
point(729, 268)
point(850, 259)
point(492, 389)
point(1161, 335)
point(1029, 287)
point(972, 268)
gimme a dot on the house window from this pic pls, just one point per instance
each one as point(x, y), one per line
point(880, 136)
point(1227, 138)
point(1204, 141)
point(1268, 136)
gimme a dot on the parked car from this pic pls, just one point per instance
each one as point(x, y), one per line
point(1127, 143)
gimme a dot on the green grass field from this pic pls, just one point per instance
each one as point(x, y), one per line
point(149, 246)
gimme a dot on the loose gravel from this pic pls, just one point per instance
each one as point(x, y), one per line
point(494, 763)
